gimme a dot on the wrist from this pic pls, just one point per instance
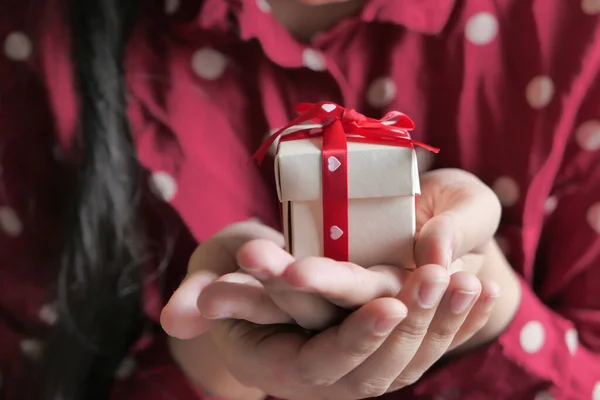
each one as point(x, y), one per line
point(205, 369)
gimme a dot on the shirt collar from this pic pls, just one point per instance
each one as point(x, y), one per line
point(425, 16)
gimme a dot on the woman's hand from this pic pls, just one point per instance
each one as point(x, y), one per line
point(457, 217)
point(336, 363)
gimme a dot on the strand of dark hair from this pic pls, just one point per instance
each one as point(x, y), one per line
point(99, 286)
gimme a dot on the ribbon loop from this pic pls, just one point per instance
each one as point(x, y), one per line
point(391, 130)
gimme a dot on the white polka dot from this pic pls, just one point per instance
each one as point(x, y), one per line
point(540, 91)
point(17, 46)
point(593, 217)
point(571, 340)
point(48, 314)
point(503, 244)
point(588, 135)
point(314, 60)
point(544, 396)
point(596, 391)
point(425, 159)
point(172, 6)
point(10, 223)
point(481, 28)
point(550, 205)
point(208, 63)
point(163, 185)
point(263, 5)
point(507, 190)
point(590, 7)
point(31, 348)
point(381, 92)
point(126, 369)
point(532, 337)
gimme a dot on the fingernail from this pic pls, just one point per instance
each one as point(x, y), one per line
point(386, 325)
point(460, 301)
point(488, 303)
point(431, 293)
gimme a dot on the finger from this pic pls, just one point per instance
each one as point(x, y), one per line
point(422, 294)
point(462, 292)
point(239, 277)
point(332, 354)
point(265, 261)
point(227, 299)
point(295, 359)
point(345, 284)
point(465, 216)
point(181, 317)
point(218, 253)
point(479, 314)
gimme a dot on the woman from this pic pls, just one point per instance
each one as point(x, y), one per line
point(126, 130)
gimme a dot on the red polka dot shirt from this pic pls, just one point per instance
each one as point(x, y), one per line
point(508, 89)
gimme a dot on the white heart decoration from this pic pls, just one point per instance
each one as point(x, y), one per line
point(328, 107)
point(333, 163)
point(335, 232)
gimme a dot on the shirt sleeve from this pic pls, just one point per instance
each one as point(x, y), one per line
point(551, 349)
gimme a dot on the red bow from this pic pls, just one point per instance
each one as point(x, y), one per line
point(391, 130)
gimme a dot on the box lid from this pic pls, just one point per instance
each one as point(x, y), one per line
point(373, 170)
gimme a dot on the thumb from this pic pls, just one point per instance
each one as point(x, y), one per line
point(463, 222)
point(181, 317)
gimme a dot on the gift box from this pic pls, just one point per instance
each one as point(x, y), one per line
point(348, 185)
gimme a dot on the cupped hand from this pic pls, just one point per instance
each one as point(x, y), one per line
point(457, 217)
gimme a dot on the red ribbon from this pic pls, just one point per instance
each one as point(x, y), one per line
point(338, 126)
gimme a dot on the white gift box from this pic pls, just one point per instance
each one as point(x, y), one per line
point(383, 185)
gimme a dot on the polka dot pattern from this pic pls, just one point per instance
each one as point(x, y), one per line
point(263, 5)
point(571, 340)
point(126, 369)
point(172, 6)
point(544, 396)
point(550, 205)
point(532, 337)
point(596, 391)
point(381, 92)
point(10, 223)
point(539, 92)
point(163, 185)
point(31, 348)
point(48, 314)
point(507, 190)
point(593, 217)
point(588, 135)
point(209, 63)
point(313, 59)
point(18, 46)
point(481, 28)
point(590, 7)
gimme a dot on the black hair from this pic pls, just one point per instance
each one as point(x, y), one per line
point(99, 288)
